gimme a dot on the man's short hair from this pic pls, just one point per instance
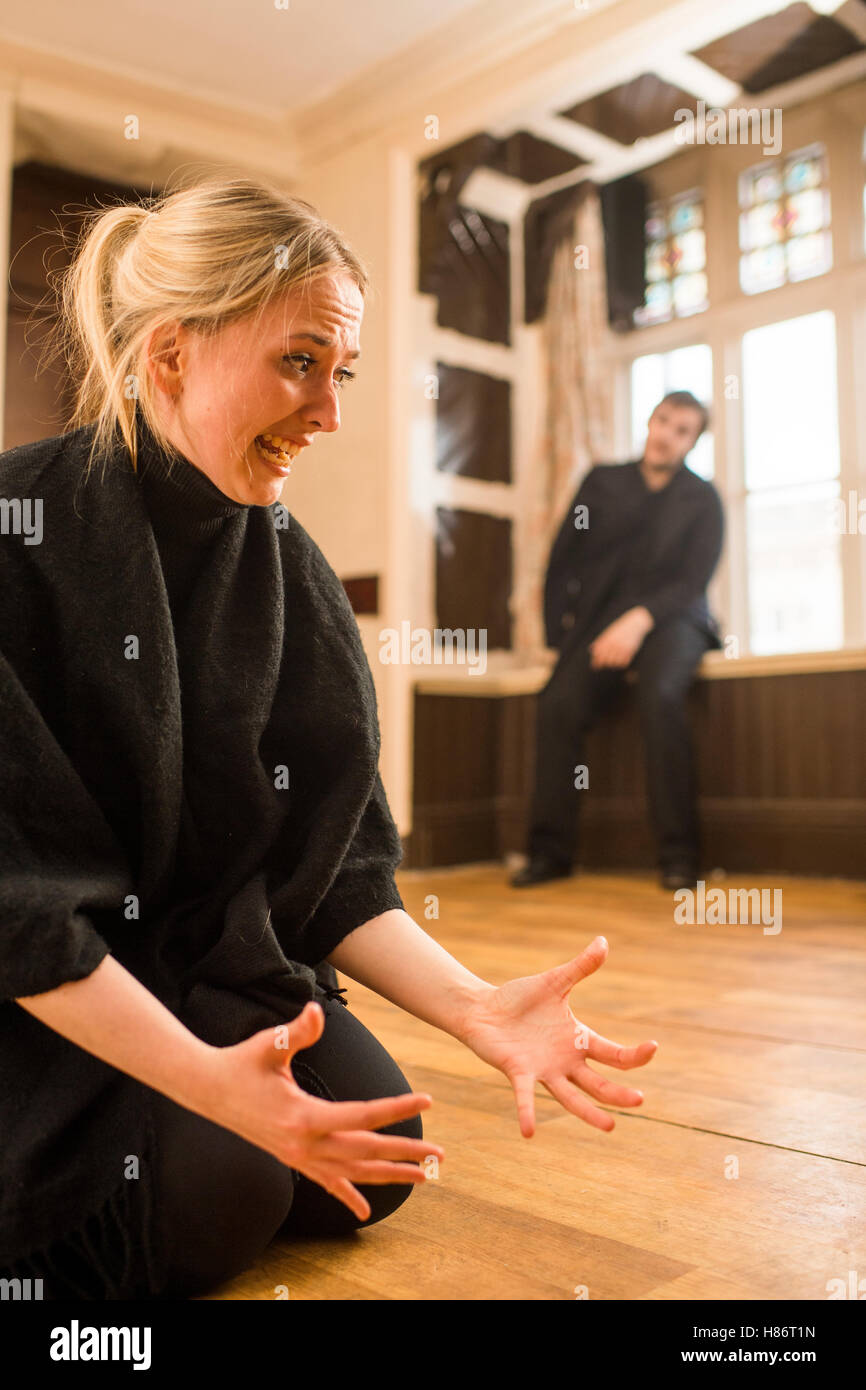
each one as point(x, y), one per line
point(685, 398)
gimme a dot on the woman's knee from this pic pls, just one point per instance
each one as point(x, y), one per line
point(221, 1200)
point(349, 1063)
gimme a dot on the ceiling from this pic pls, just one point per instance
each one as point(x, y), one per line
point(253, 56)
point(312, 77)
point(734, 70)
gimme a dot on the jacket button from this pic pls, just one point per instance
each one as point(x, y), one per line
point(574, 586)
point(568, 620)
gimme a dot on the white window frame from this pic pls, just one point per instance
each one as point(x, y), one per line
point(837, 120)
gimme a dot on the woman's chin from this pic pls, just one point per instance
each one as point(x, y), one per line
point(261, 485)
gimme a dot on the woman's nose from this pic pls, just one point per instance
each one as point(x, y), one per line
point(323, 409)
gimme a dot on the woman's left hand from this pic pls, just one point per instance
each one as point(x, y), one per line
point(526, 1029)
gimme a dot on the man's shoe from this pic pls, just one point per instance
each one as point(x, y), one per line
point(679, 876)
point(538, 871)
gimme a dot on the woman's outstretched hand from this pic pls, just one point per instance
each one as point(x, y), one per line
point(334, 1143)
point(526, 1029)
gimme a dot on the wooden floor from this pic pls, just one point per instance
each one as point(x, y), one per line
point(760, 1068)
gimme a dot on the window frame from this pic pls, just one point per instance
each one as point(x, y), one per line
point(837, 120)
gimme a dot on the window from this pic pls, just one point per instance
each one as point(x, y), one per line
point(791, 445)
point(657, 373)
point(784, 220)
point(676, 259)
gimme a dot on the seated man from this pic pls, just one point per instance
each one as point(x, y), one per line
point(626, 588)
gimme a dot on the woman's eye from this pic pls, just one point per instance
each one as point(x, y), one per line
point(306, 360)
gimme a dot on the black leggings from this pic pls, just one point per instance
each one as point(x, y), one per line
point(223, 1200)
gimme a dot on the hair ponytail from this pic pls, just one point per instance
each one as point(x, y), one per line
point(100, 362)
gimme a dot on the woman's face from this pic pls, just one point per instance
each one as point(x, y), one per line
point(279, 376)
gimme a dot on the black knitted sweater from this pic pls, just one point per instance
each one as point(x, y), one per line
point(189, 781)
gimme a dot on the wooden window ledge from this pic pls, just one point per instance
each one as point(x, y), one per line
point(501, 679)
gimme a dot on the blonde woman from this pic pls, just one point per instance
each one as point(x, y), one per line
point(194, 830)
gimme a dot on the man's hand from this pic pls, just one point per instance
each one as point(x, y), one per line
point(619, 641)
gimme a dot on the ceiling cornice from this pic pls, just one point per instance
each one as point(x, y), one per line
point(56, 96)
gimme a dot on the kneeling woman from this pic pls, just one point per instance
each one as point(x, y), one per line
point(194, 830)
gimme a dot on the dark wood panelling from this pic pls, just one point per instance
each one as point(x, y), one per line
point(473, 574)
point(463, 255)
point(779, 47)
point(781, 770)
point(524, 156)
point(47, 209)
point(473, 424)
point(38, 394)
point(363, 593)
point(644, 106)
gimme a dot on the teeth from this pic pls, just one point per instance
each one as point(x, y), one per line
point(278, 450)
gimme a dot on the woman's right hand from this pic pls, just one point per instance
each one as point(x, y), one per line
point(332, 1142)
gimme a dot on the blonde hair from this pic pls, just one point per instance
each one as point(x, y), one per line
point(205, 255)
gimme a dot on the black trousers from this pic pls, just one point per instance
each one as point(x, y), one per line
point(569, 705)
point(223, 1200)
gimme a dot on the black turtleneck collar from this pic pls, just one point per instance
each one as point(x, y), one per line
point(180, 497)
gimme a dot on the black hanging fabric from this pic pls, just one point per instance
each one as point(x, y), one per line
point(624, 213)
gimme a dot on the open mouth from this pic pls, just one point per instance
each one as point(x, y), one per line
point(276, 450)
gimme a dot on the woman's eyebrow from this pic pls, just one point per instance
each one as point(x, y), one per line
point(322, 342)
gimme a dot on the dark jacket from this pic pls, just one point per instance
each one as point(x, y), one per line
point(633, 547)
point(279, 732)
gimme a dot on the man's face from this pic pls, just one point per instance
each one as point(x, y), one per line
point(672, 431)
point(265, 377)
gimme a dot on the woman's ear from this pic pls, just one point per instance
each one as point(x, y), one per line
point(163, 353)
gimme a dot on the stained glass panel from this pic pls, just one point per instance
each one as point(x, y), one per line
point(758, 227)
point(690, 293)
point(810, 211)
point(787, 206)
point(768, 185)
point(747, 195)
point(803, 173)
point(656, 227)
point(684, 216)
point(656, 268)
point(808, 255)
point(658, 303)
point(692, 251)
point(763, 270)
point(675, 252)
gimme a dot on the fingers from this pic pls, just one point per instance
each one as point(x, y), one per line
point(307, 1028)
point(365, 1114)
point(608, 1092)
point(524, 1093)
point(285, 1039)
point(373, 1174)
point(380, 1174)
point(571, 1099)
point(590, 959)
point(364, 1145)
point(615, 1055)
point(350, 1197)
